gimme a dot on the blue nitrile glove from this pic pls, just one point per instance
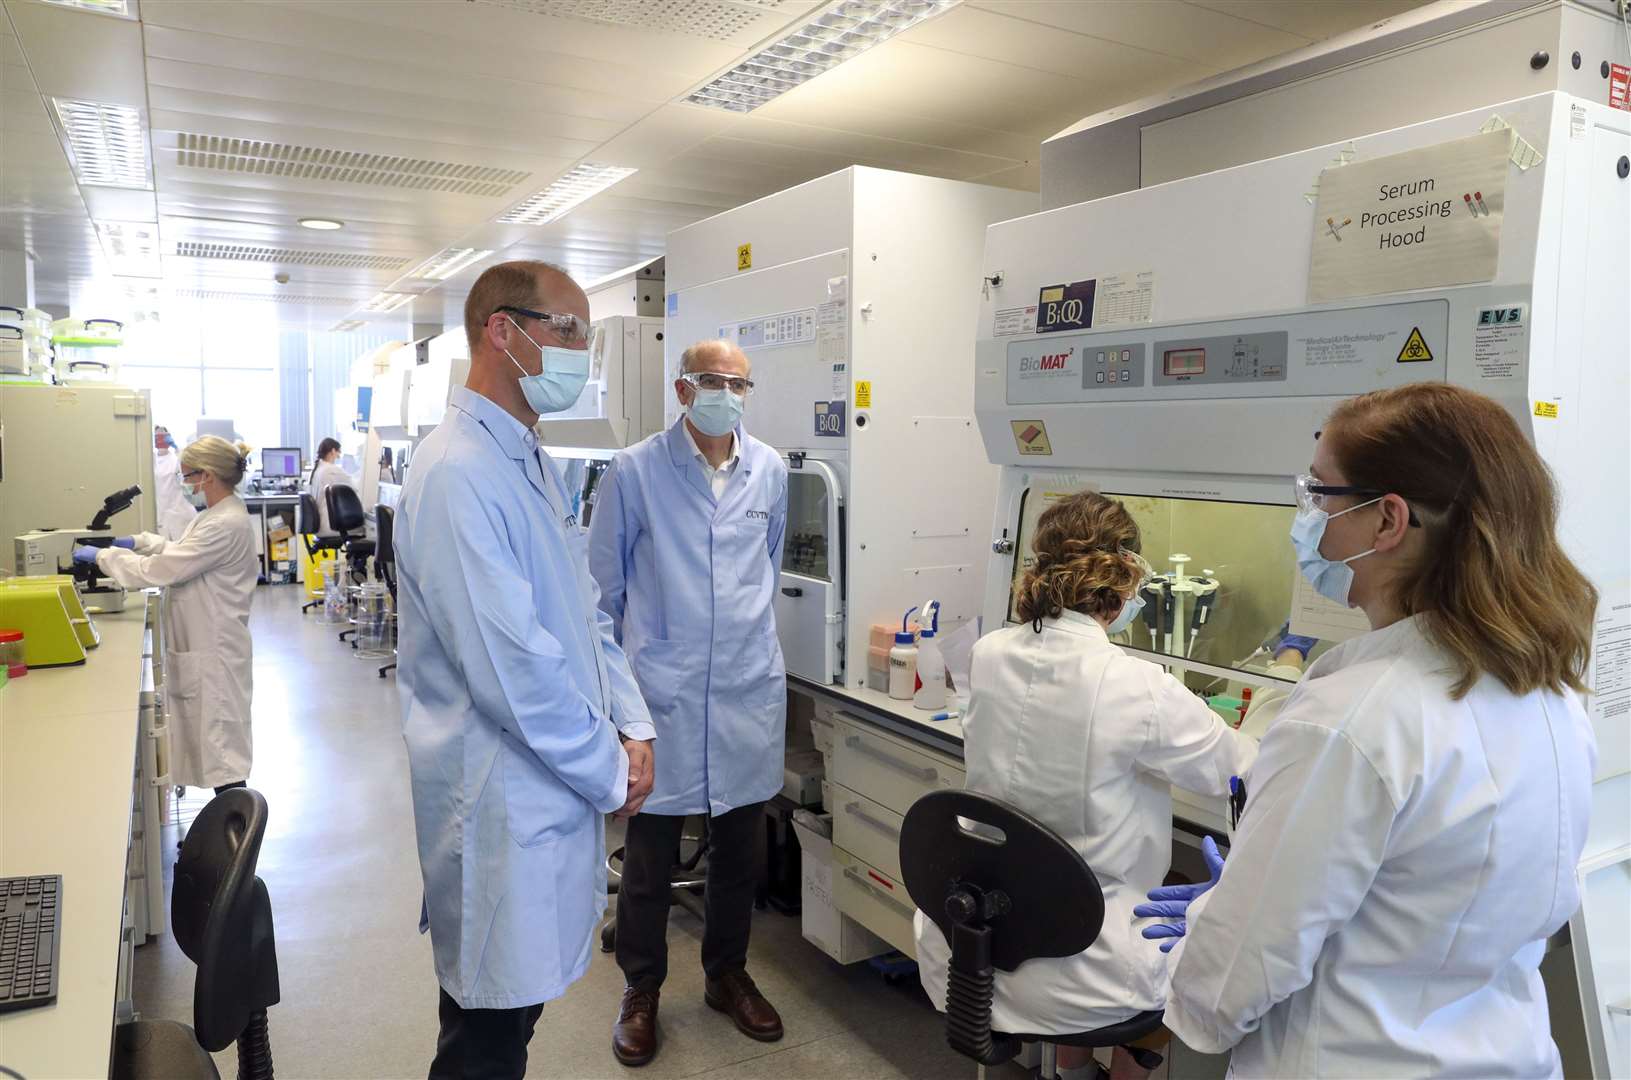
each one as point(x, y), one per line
point(86, 554)
point(1304, 645)
point(125, 542)
point(1172, 901)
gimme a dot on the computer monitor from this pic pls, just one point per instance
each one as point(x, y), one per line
point(280, 461)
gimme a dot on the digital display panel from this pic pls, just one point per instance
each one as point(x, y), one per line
point(1184, 362)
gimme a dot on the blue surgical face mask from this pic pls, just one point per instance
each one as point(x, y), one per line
point(715, 412)
point(1130, 609)
point(1331, 578)
point(559, 383)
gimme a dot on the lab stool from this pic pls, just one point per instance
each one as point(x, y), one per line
point(690, 875)
point(1001, 902)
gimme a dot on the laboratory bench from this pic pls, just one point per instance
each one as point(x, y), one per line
point(881, 755)
point(81, 796)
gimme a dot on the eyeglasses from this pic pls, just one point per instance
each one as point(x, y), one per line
point(570, 330)
point(1145, 570)
point(190, 473)
point(715, 380)
point(1312, 495)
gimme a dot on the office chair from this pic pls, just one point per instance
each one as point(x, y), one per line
point(222, 919)
point(1001, 903)
point(310, 523)
point(345, 517)
point(690, 874)
point(385, 560)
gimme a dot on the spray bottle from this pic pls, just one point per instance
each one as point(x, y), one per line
point(903, 661)
point(930, 685)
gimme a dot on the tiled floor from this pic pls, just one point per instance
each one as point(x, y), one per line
point(359, 995)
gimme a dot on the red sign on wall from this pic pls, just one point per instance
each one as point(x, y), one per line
point(1619, 87)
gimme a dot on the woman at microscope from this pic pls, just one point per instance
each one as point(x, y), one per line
point(209, 580)
point(1067, 727)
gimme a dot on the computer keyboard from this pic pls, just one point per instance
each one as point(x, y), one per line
point(30, 932)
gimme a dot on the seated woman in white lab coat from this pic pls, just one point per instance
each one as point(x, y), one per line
point(1067, 727)
point(1414, 821)
point(325, 474)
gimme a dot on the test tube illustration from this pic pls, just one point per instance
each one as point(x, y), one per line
point(1479, 197)
point(1467, 198)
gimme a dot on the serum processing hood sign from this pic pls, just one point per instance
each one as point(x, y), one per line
point(1417, 220)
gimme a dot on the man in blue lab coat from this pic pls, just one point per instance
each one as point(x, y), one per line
point(685, 542)
point(523, 722)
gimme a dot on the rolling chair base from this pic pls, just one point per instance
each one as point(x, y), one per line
point(160, 1050)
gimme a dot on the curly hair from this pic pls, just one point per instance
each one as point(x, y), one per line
point(1081, 547)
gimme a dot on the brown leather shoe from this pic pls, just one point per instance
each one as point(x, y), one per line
point(634, 1036)
point(735, 994)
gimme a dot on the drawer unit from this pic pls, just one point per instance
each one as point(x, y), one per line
point(866, 829)
point(874, 899)
point(887, 770)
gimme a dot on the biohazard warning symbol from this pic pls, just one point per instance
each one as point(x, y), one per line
point(1415, 348)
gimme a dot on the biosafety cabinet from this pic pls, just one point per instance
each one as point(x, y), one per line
point(853, 296)
point(1180, 346)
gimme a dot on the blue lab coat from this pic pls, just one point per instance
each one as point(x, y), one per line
point(511, 682)
point(689, 582)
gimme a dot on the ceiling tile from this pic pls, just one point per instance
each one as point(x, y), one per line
point(1313, 21)
point(1212, 38)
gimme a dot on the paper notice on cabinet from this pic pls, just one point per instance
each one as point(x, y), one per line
point(1312, 615)
point(1124, 298)
point(832, 323)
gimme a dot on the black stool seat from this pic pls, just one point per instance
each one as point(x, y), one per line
point(1130, 1030)
point(1004, 889)
point(161, 1050)
point(359, 550)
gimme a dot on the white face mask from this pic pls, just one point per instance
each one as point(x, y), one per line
point(559, 382)
point(1130, 609)
point(1331, 578)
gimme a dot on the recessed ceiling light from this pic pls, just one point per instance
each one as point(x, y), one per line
point(106, 7)
point(347, 326)
point(840, 31)
point(388, 301)
point(131, 247)
point(584, 182)
point(106, 142)
point(444, 264)
point(322, 224)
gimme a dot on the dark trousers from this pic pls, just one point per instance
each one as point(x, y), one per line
point(649, 853)
point(483, 1044)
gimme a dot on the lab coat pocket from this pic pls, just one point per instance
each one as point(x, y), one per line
point(660, 669)
point(183, 681)
point(750, 551)
point(538, 809)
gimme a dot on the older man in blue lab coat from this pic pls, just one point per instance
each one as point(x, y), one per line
point(523, 722)
point(685, 542)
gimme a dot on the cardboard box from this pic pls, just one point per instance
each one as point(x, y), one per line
point(824, 926)
point(802, 772)
point(279, 534)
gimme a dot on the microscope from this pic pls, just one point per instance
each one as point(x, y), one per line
point(51, 551)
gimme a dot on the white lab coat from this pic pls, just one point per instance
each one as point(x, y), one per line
point(1402, 859)
point(175, 512)
point(1067, 727)
point(209, 579)
point(326, 475)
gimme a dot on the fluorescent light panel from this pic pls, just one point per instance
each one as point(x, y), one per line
point(131, 247)
point(347, 326)
point(840, 32)
point(388, 301)
point(584, 182)
point(106, 7)
point(108, 145)
point(447, 262)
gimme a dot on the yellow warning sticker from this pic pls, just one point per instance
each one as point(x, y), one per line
point(744, 257)
point(1031, 436)
point(1054, 294)
point(1415, 348)
point(863, 393)
point(1546, 409)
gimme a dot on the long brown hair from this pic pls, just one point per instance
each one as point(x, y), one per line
point(1081, 547)
point(1493, 585)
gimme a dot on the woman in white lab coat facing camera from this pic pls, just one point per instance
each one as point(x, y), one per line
point(1065, 726)
point(324, 475)
point(1415, 816)
point(209, 579)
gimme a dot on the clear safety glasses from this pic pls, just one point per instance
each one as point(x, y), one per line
point(718, 380)
point(1145, 570)
point(569, 330)
point(1313, 495)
